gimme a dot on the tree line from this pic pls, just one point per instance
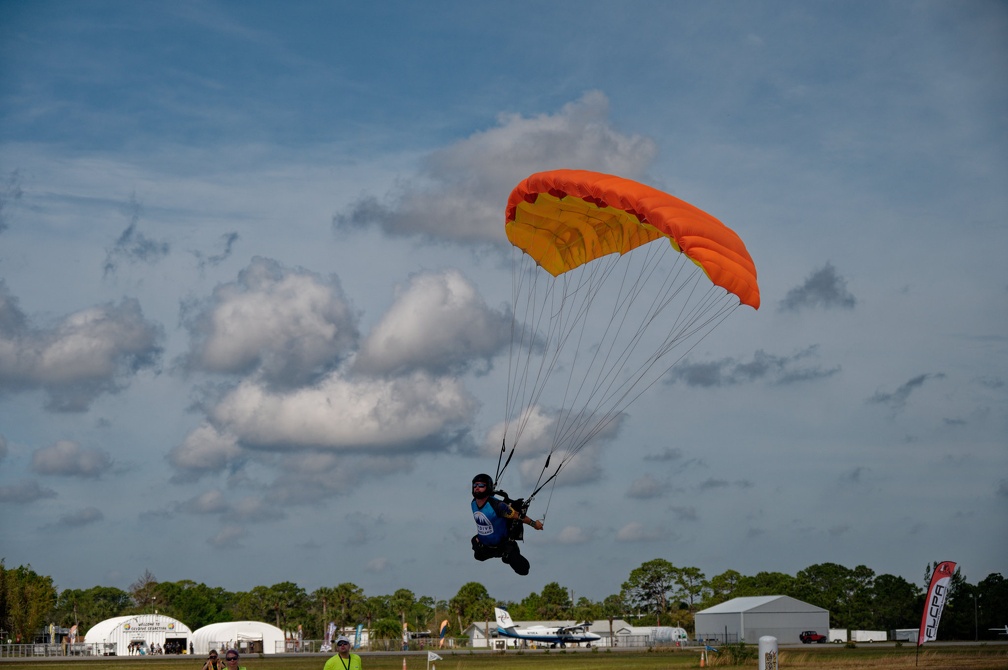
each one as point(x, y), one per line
point(657, 593)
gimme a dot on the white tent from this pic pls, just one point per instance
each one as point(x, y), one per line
point(248, 637)
point(114, 636)
point(747, 619)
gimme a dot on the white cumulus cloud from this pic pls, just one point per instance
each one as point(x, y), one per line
point(83, 355)
point(439, 323)
point(288, 324)
point(448, 199)
point(342, 414)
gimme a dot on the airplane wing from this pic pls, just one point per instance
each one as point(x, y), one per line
point(577, 628)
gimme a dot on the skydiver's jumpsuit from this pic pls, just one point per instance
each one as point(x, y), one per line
point(491, 539)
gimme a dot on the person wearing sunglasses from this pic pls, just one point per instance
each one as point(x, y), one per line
point(212, 662)
point(343, 660)
point(231, 660)
point(492, 539)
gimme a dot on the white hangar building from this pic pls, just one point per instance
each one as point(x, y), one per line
point(114, 636)
point(248, 637)
point(749, 619)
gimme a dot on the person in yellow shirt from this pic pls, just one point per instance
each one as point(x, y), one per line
point(343, 660)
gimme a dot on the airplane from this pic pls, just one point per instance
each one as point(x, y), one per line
point(562, 635)
point(1001, 631)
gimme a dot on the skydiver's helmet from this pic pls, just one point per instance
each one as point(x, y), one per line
point(487, 481)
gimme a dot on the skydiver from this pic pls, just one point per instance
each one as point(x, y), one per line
point(492, 515)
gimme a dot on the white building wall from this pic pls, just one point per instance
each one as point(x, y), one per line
point(780, 616)
point(150, 629)
point(785, 626)
point(221, 636)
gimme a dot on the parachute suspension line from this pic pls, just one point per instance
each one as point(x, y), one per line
point(568, 422)
point(610, 400)
point(519, 276)
point(597, 276)
point(726, 307)
point(533, 391)
point(533, 310)
point(552, 304)
point(520, 393)
point(518, 344)
point(551, 319)
point(723, 311)
point(604, 364)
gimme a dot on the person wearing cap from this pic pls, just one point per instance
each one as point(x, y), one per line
point(343, 660)
point(231, 660)
point(492, 515)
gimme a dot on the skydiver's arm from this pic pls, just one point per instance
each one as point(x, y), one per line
point(509, 512)
point(538, 525)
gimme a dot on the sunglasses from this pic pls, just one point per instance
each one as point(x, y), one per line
point(479, 485)
point(230, 658)
point(342, 644)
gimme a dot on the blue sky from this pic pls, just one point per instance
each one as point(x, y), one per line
point(215, 216)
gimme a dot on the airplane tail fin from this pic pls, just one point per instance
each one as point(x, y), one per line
point(504, 621)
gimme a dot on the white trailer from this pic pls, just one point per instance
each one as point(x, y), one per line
point(868, 636)
point(837, 635)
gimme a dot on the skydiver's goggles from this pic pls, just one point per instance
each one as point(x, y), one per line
point(479, 485)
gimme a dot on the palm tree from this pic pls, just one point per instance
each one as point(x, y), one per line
point(387, 630)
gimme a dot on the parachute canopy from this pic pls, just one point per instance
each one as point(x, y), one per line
point(566, 218)
point(613, 282)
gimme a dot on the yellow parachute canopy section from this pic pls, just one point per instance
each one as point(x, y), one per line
point(566, 218)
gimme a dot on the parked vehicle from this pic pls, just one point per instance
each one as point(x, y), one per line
point(868, 636)
point(837, 635)
point(810, 636)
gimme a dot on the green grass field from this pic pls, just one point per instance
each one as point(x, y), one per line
point(979, 657)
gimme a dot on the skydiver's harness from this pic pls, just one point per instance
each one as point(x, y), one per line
point(515, 527)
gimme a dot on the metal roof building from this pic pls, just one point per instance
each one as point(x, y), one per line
point(748, 619)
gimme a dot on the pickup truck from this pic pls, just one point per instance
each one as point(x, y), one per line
point(810, 636)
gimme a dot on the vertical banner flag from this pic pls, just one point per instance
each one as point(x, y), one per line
point(330, 631)
point(356, 640)
point(935, 601)
point(444, 629)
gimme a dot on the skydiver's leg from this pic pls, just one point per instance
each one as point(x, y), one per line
point(479, 551)
point(512, 556)
point(482, 552)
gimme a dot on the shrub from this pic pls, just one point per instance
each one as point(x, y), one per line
point(737, 653)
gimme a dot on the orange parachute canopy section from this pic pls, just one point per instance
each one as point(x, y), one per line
point(565, 218)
